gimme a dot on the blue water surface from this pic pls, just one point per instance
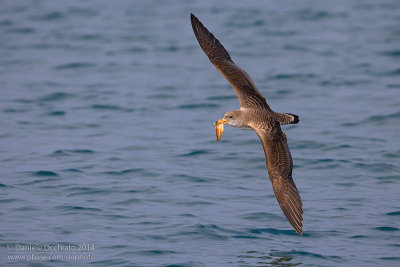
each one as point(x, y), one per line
point(107, 136)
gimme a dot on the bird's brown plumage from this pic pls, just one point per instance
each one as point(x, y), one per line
point(247, 92)
point(280, 165)
point(264, 121)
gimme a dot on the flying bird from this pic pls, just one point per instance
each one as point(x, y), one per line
point(255, 114)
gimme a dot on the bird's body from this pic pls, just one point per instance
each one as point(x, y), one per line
point(255, 114)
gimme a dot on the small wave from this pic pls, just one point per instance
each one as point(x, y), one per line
point(24, 100)
point(88, 37)
point(189, 264)
point(13, 110)
point(196, 106)
point(191, 178)
point(396, 259)
point(395, 72)
point(161, 96)
point(55, 97)
point(245, 236)
point(6, 22)
point(56, 113)
point(171, 48)
point(222, 97)
point(308, 144)
point(84, 190)
point(82, 151)
point(392, 155)
point(123, 172)
point(10, 200)
point(344, 83)
point(259, 216)
point(386, 229)
point(296, 47)
point(74, 65)
point(167, 88)
point(392, 178)
point(274, 231)
point(393, 213)
point(316, 15)
point(127, 202)
point(376, 167)
point(72, 170)
point(289, 76)
point(51, 16)
point(116, 216)
point(27, 208)
point(112, 262)
point(22, 30)
point(156, 252)
point(358, 236)
point(148, 189)
point(305, 253)
point(193, 203)
point(210, 231)
point(42, 180)
point(68, 152)
point(393, 85)
point(188, 215)
point(346, 184)
point(195, 153)
point(143, 172)
point(280, 32)
point(258, 258)
point(392, 53)
point(44, 173)
point(83, 12)
point(336, 147)
point(74, 208)
point(110, 107)
point(374, 119)
point(136, 49)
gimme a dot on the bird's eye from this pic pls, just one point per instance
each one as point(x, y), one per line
point(230, 117)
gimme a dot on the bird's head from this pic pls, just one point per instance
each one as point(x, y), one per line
point(235, 118)
point(229, 118)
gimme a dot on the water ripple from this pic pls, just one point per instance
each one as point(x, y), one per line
point(386, 229)
point(195, 153)
point(274, 231)
point(74, 65)
point(99, 143)
point(394, 213)
point(43, 173)
point(198, 106)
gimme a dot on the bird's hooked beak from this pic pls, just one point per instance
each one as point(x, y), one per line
point(219, 127)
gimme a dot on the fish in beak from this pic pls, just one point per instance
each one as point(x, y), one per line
point(219, 127)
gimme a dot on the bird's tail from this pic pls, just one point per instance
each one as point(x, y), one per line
point(286, 118)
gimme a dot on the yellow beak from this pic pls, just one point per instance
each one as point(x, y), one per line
point(219, 127)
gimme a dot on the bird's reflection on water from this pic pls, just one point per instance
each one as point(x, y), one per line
point(273, 258)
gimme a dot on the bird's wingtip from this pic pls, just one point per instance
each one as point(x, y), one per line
point(300, 233)
point(193, 19)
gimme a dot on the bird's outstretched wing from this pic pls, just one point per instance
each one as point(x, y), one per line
point(245, 89)
point(280, 165)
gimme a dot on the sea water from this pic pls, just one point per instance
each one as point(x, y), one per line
point(108, 154)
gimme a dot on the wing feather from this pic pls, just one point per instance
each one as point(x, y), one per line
point(244, 86)
point(280, 165)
